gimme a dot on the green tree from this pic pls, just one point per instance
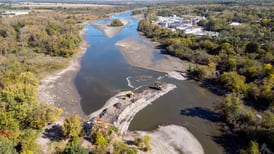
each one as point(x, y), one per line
point(99, 139)
point(268, 120)
point(147, 143)
point(72, 126)
point(7, 146)
point(230, 108)
point(253, 148)
point(234, 82)
point(75, 149)
point(122, 148)
point(116, 23)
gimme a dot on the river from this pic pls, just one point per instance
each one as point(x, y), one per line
point(104, 72)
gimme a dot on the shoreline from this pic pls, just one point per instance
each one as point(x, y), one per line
point(120, 109)
point(143, 55)
point(108, 30)
point(169, 139)
point(58, 89)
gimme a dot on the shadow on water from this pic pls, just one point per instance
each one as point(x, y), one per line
point(228, 140)
point(201, 113)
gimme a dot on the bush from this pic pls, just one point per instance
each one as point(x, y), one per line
point(234, 82)
point(75, 149)
point(116, 23)
point(143, 143)
point(120, 148)
point(72, 126)
point(7, 146)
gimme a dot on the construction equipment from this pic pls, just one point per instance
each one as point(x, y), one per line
point(129, 94)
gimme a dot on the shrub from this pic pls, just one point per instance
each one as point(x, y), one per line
point(120, 148)
point(116, 23)
point(75, 149)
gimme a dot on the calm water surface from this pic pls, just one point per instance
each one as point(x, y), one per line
point(104, 72)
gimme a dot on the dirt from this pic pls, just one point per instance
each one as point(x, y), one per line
point(121, 109)
point(58, 88)
point(110, 31)
point(141, 55)
point(169, 139)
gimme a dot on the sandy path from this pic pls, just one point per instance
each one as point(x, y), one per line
point(108, 30)
point(141, 55)
point(58, 88)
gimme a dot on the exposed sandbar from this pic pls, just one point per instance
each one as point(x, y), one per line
point(58, 88)
point(141, 55)
point(108, 30)
point(120, 109)
point(170, 139)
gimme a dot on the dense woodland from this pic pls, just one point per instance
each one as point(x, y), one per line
point(31, 46)
point(238, 64)
point(26, 44)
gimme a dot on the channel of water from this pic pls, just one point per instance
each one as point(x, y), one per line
point(104, 72)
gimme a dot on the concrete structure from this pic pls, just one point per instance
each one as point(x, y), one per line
point(15, 13)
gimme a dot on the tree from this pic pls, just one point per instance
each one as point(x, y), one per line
point(230, 108)
point(72, 126)
point(75, 149)
point(147, 143)
point(42, 115)
point(99, 139)
point(268, 120)
point(234, 82)
point(7, 146)
point(253, 148)
point(116, 23)
point(122, 148)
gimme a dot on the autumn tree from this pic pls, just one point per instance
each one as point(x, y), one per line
point(72, 126)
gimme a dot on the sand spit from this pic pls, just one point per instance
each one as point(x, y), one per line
point(120, 109)
point(138, 17)
point(58, 88)
point(170, 139)
point(108, 30)
point(141, 55)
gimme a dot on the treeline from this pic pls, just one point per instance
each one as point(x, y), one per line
point(23, 39)
point(239, 63)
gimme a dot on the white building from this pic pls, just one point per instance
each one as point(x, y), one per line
point(15, 13)
point(235, 24)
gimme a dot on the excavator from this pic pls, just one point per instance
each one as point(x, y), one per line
point(129, 93)
point(126, 94)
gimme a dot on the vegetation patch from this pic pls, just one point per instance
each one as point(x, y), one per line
point(116, 23)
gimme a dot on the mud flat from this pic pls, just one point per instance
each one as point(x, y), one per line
point(58, 88)
point(108, 30)
point(121, 109)
point(141, 55)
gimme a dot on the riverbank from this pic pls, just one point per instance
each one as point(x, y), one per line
point(122, 108)
point(58, 88)
point(108, 30)
point(170, 139)
point(143, 55)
